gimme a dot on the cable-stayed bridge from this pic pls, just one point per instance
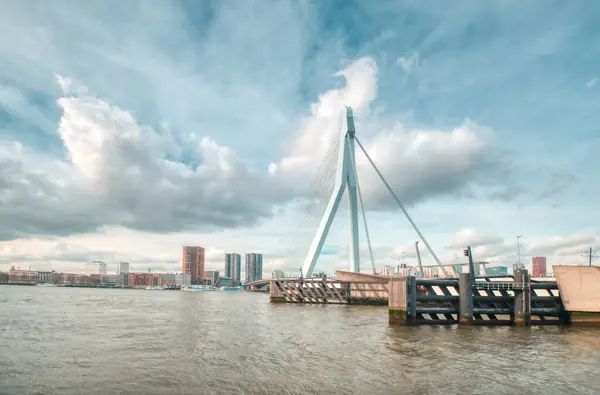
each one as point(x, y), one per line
point(336, 177)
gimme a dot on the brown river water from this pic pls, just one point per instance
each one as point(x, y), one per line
point(110, 341)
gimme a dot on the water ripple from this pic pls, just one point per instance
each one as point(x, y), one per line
point(100, 341)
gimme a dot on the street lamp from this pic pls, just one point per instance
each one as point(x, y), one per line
point(519, 252)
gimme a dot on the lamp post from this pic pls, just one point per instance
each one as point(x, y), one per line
point(519, 252)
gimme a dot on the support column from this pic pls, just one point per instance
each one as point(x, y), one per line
point(465, 292)
point(275, 295)
point(397, 301)
point(522, 308)
point(411, 289)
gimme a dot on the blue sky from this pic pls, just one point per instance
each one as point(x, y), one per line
point(158, 124)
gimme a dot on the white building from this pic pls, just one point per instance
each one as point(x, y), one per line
point(387, 270)
point(430, 272)
point(123, 268)
point(183, 279)
point(102, 267)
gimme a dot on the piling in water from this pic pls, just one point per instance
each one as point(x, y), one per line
point(465, 292)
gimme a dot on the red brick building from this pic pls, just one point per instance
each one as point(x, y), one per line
point(192, 262)
point(538, 266)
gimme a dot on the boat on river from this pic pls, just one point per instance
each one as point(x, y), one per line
point(238, 288)
point(196, 288)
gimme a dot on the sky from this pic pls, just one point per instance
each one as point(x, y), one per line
point(128, 130)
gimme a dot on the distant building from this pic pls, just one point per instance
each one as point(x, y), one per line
point(102, 268)
point(17, 276)
point(387, 270)
point(538, 266)
point(212, 276)
point(48, 277)
point(176, 279)
point(278, 274)
point(192, 262)
point(430, 272)
point(224, 282)
point(497, 271)
point(233, 267)
point(123, 268)
point(253, 267)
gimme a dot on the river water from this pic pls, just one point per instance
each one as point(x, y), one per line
point(107, 341)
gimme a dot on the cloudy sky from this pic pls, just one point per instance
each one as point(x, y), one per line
point(128, 130)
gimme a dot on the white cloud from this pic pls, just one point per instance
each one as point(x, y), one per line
point(417, 163)
point(409, 64)
point(118, 172)
point(473, 238)
point(591, 83)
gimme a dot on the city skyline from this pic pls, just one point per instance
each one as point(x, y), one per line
point(479, 117)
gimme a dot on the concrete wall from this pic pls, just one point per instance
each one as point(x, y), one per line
point(579, 287)
point(361, 277)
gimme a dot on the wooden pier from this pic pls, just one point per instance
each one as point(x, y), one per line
point(324, 290)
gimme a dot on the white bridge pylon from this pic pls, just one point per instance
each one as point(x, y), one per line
point(345, 178)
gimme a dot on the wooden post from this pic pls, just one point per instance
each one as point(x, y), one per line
point(411, 290)
point(465, 292)
point(397, 301)
point(275, 295)
point(522, 308)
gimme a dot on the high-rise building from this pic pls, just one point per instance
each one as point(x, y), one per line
point(233, 267)
point(253, 267)
point(102, 267)
point(192, 262)
point(123, 268)
point(212, 276)
point(538, 266)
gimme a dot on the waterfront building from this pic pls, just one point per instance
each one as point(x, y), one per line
point(224, 282)
point(123, 268)
point(48, 277)
point(253, 266)
point(176, 279)
point(102, 268)
point(497, 271)
point(538, 266)
point(192, 262)
point(212, 276)
point(18, 276)
point(233, 267)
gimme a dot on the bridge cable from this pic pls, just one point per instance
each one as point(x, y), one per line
point(362, 209)
point(313, 194)
point(402, 208)
point(315, 199)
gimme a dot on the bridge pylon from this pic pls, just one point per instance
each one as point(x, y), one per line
point(346, 178)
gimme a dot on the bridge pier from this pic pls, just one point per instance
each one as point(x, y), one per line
point(522, 306)
point(402, 300)
point(275, 295)
point(465, 294)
